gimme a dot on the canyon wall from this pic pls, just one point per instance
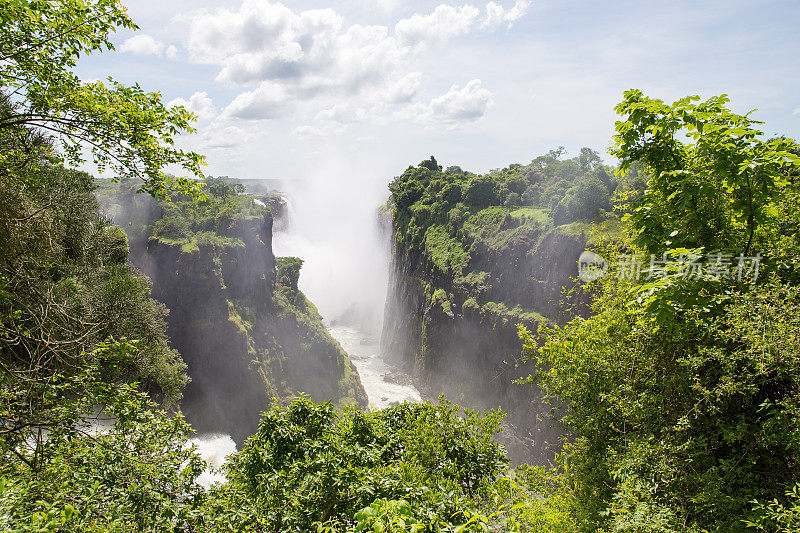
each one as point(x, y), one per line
point(245, 338)
point(458, 335)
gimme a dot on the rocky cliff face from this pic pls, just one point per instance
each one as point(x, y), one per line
point(244, 340)
point(460, 338)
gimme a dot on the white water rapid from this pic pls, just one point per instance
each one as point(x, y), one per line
point(384, 384)
point(214, 449)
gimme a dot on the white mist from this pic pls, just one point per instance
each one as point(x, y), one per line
point(334, 228)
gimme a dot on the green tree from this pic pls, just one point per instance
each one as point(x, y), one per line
point(127, 131)
point(66, 293)
point(712, 192)
point(115, 246)
point(451, 193)
point(682, 391)
point(589, 197)
point(308, 464)
point(223, 187)
point(431, 164)
point(589, 159)
point(65, 288)
point(124, 467)
point(289, 272)
point(480, 191)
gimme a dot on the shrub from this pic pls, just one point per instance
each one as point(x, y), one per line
point(591, 196)
point(172, 227)
point(451, 193)
point(308, 464)
point(421, 214)
point(408, 193)
point(531, 195)
point(288, 271)
point(512, 200)
point(431, 165)
point(480, 191)
point(114, 245)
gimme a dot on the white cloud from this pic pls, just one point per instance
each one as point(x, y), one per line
point(519, 10)
point(386, 5)
point(269, 100)
point(199, 103)
point(307, 132)
point(796, 111)
point(310, 132)
point(342, 114)
point(220, 136)
point(145, 45)
point(318, 131)
point(403, 90)
point(308, 53)
point(456, 106)
point(260, 30)
point(142, 45)
point(496, 14)
point(444, 23)
point(298, 57)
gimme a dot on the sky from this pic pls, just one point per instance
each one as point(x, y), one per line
point(368, 87)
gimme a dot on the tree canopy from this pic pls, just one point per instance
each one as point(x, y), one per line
point(681, 391)
point(46, 109)
point(713, 191)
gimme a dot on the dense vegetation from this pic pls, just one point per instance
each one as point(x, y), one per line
point(78, 330)
point(413, 467)
point(580, 189)
point(464, 224)
point(682, 392)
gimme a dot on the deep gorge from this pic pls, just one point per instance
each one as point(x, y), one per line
point(247, 341)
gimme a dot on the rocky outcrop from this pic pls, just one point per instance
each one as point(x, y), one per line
point(245, 341)
point(277, 205)
point(468, 347)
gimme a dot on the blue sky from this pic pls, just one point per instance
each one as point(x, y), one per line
point(292, 90)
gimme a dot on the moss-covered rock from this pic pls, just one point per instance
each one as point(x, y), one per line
point(247, 334)
point(470, 266)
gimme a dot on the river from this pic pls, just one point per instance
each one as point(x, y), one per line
point(384, 384)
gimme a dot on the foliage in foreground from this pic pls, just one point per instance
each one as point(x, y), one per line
point(65, 290)
point(409, 468)
point(109, 460)
point(412, 467)
point(682, 392)
point(121, 129)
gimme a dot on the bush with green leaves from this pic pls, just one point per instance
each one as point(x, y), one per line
point(101, 457)
point(682, 392)
point(65, 287)
point(288, 272)
point(451, 193)
point(778, 516)
point(115, 246)
point(126, 131)
point(692, 419)
point(184, 217)
point(480, 191)
point(308, 464)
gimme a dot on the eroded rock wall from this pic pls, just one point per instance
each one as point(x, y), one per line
point(469, 350)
